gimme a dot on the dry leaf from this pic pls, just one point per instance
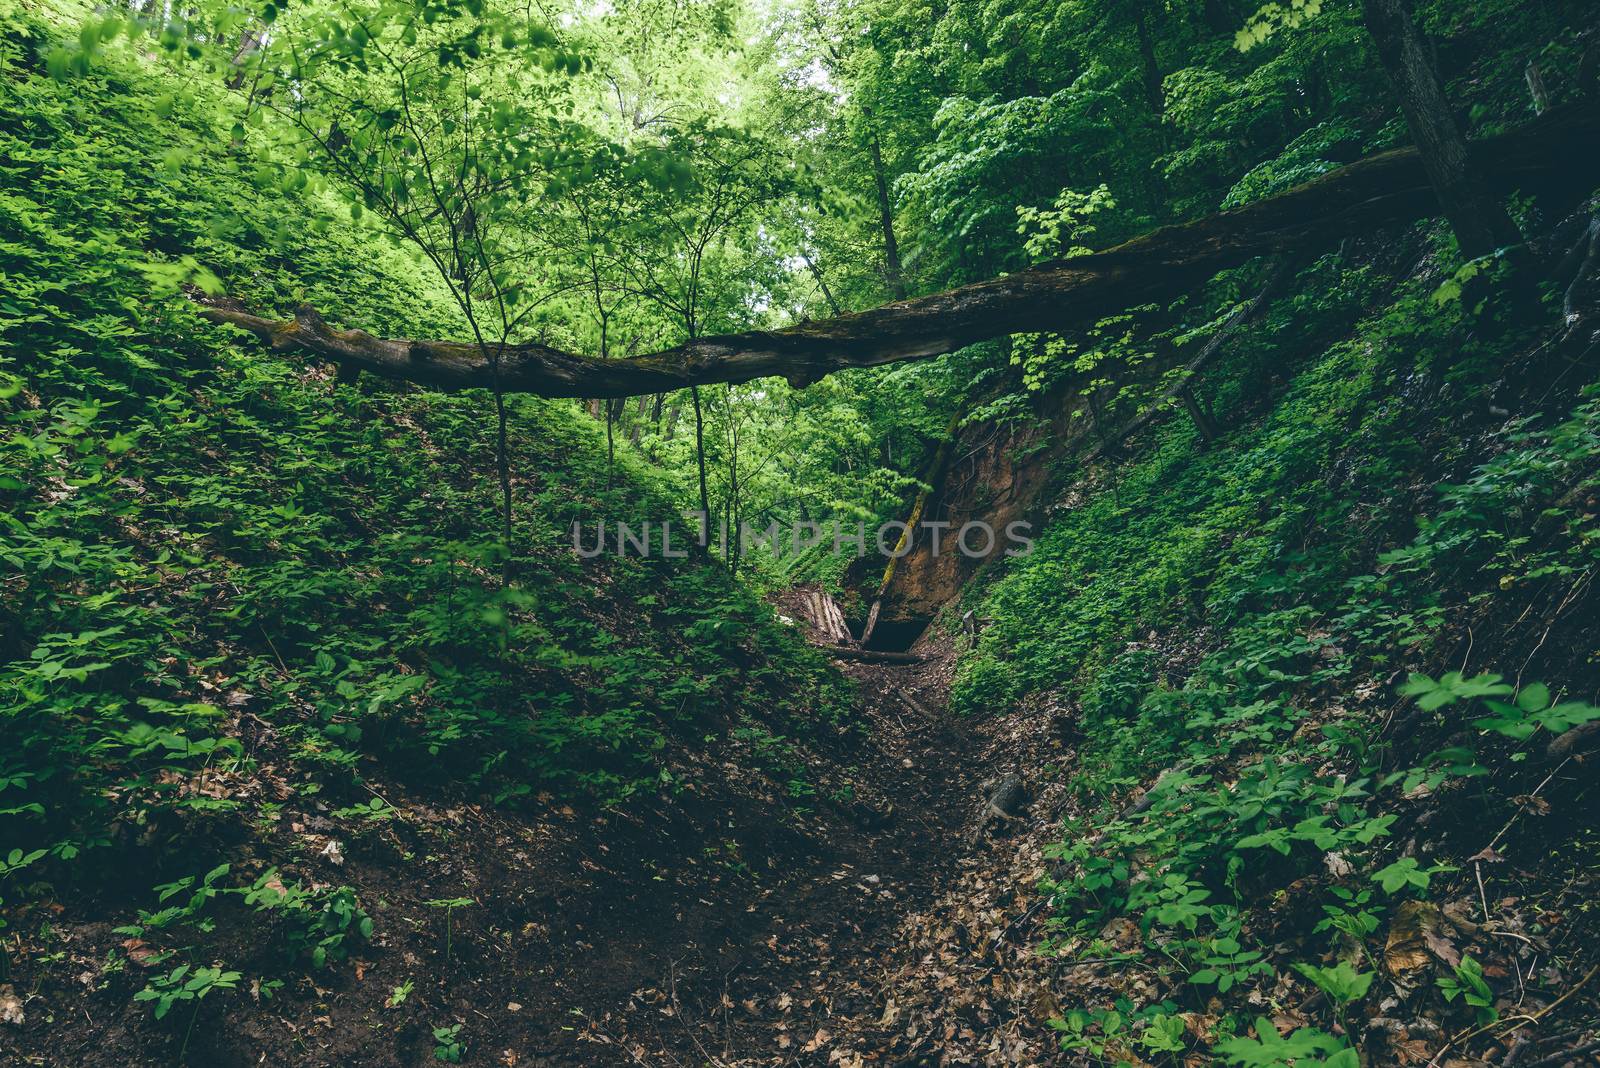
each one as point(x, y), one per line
point(1415, 932)
point(140, 952)
point(10, 1006)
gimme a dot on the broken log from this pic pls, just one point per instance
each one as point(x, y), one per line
point(913, 704)
point(1385, 189)
point(826, 618)
point(870, 656)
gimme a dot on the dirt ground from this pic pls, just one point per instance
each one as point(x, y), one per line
point(727, 924)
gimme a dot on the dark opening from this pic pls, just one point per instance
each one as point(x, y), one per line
point(896, 635)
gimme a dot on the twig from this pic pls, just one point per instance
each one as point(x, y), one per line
point(1525, 1020)
point(1496, 839)
point(1565, 1055)
point(870, 656)
point(677, 1009)
point(913, 705)
point(1477, 869)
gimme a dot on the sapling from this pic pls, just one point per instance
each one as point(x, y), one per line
point(449, 904)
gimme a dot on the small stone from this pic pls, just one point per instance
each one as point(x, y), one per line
point(513, 1006)
point(871, 880)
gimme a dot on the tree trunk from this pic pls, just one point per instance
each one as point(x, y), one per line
point(893, 274)
point(1536, 87)
point(1279, 275)
point(249, 44)
point(1559, 151)
point(700, 457)
point(1202, 419)
point(822, 284)
point(1153, 78)
point(1477, 216)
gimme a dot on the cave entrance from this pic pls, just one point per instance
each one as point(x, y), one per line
point(895, 635)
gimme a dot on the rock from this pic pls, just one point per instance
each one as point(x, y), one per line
point(1579, 740)
point(1008, 799)
point(11, 1006)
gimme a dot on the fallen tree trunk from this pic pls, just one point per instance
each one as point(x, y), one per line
point(1389, 188)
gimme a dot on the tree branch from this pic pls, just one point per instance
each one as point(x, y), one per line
point(1559, 150)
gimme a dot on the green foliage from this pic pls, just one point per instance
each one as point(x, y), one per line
point(205, 543)
point(317, 922)
point(1342, 983)
point(447, 1044)
point(1225, 964)
point(449, 904)
point(1307, 1047)
point(1468, 984)
point(185, 983)
point(1406, 874)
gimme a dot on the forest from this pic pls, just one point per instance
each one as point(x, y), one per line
point(731, 533)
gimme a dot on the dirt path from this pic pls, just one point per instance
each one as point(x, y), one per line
point(835, 957)
point(816, 937)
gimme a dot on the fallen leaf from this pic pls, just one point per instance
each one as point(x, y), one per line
point(1414, 933)
point(10, 1006)
point(1532, 804)
point(140, 952)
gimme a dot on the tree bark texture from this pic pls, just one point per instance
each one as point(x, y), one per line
point(1476, 213)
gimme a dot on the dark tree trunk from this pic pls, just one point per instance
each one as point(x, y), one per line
point(700, 456)
point(1589, 64)
point(1477, 216)
point(894, 275)
point(1153, 78)
point(1203, 421)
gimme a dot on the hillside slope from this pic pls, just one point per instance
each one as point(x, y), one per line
point(263, 693)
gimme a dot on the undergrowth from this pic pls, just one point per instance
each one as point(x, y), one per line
point(214, 558)
point(1231, 626)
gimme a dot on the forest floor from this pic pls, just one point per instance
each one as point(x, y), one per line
point(735, 922)
point(914, 942)
point(726, 924)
